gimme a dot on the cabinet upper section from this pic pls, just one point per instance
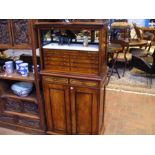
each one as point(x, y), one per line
point(73, 47)
point(15, 33)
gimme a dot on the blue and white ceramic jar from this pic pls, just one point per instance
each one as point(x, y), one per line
point(18, 62)
point(23, 69)
point(8, 67)
point(38, 69)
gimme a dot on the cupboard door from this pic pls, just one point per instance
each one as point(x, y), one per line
point(21, 33)
point(57, 108)
point(84, 105)
point(5, 34)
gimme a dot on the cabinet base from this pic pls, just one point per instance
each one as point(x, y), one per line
point(22, 128)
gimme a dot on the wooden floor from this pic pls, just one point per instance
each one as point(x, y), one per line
point(129, 113)
point(125, 113)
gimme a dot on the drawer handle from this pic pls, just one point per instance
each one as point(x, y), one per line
point(71, 88)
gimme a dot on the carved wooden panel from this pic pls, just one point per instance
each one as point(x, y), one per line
point(6, 118)
point(12, 105)
point(21, 106)
point(21, 34)
point(30, 108)
point(4, 32)
point(29, 123)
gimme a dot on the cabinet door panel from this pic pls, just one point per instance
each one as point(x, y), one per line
point(21, 33)
point(84, 111)
point(57, 108)
point(5, 34)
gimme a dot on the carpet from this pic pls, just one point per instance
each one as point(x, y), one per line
point(132, 82)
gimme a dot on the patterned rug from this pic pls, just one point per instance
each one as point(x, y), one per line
point(132, 82)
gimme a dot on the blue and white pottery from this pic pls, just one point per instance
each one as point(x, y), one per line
point(8, 67)
point(38, 68)
point(23, 69)
point(22, 88)
point(18, 62)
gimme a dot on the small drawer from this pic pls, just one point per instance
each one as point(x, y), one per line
point(56, 80)
point(84, 83)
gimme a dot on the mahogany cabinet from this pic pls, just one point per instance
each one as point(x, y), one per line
point(74, 79)
point(71, 107)
point(15, 33)
point(25, 114)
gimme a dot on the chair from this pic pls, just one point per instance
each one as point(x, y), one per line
point(123, 56)
point(142, 36)
point(111, 51)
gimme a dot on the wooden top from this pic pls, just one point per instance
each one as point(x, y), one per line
point(148, 28)
point(137, 43)
point(70, 24)
point(111, 48)
point(120, 25)
point(16, 76)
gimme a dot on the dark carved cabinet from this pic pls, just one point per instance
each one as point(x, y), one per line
point(15, 33)
point(21, 32)
point(5, 33)
point(17, 112)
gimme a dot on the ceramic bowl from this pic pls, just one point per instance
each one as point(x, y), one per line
point(22, 88)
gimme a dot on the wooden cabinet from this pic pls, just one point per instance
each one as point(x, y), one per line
point(5, 33)
point(73, 79)
point(15, 33)
point(71, 108)
point(17, 112)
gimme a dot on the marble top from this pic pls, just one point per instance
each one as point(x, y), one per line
point(72, 47)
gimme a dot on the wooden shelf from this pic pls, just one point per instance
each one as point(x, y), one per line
point(22, 114)
point(16, 76)
point(30, 98)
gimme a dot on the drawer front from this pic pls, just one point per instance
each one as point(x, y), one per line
point(80, 62)
point(84, 83)
point(56, 80)
point(56, 60)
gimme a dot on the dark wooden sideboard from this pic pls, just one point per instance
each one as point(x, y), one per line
point(74, 81)
point(20, 113)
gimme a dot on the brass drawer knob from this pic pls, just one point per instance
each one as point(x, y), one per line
point(71, 88)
